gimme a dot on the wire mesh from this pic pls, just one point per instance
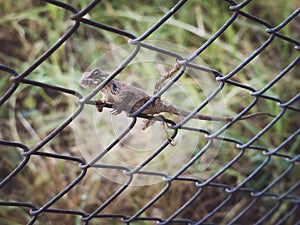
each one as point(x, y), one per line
point(232, 189)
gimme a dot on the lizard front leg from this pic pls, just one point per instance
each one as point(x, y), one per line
point(100, 104)
point(123, 104)
point(105, 101)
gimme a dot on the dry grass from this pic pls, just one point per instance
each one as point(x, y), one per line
point(27, 29)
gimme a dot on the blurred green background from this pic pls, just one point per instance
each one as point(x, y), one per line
point(29, 28)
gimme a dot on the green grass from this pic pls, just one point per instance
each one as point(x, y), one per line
point(28, 29)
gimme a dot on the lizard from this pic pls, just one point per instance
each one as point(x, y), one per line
point(128, 98)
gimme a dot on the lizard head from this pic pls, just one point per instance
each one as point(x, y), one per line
point(92, 79)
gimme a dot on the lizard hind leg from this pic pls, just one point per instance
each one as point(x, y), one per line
point(146, 123)
point(158, 117)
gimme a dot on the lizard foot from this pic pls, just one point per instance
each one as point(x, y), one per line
point(170, 139)
point(165, 126)
point(99, 105)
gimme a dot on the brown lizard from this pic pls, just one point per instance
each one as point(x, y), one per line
point(128, 98)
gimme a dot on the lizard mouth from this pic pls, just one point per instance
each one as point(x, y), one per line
point(87, 83)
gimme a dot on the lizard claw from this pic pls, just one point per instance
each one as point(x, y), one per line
point(170, 140)
point(115, 112)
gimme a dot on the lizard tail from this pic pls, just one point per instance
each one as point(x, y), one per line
point(218, 118)
point(181, 112)
point(169, 108)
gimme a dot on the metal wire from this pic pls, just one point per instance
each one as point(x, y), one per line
point(225, 195)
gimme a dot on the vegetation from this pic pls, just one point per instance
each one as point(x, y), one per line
point(29, 28)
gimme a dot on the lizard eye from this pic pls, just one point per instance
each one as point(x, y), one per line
point(96, 73)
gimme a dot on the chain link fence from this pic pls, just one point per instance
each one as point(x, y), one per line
point(236, 172)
